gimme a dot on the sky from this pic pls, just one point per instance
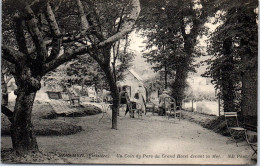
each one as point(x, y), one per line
point(145, 70)
point(137, 41)
point(137, 45)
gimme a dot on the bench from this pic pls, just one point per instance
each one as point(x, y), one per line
point(73, 98)
point(59, 104)
point(54, 95)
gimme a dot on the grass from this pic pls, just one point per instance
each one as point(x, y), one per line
point(212, 122)
point(46, 123)
point(86, 110)
point(45, 127)
point(10, 157)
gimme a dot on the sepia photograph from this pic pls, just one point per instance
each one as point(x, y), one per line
point(129, 82)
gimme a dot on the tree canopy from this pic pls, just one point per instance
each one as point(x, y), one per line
point(233, 50)
point(40, 35)
point(172, 29)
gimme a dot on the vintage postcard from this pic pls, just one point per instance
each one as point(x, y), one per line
point(129, 82)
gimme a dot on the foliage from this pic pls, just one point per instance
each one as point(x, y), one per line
point(121, 58)
point(153, 85)
point(47, 34)
point(233, 40)
point(172, 28)
point(85, 71)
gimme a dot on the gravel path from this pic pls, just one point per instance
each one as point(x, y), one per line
point(151, 140)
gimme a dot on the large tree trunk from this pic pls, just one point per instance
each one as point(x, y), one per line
point(182, 70)
point(249, 60)
point(22, 134)
point(228, 92)
point(228, 89)
point(114, 70)
point(179, 85)
point(249, 96)
point(114, 93)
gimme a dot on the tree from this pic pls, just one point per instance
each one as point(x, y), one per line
point(41, 45)
point(153, 85)
point(86, 71)
point(121, 58)
point(164, 61)
point(226, 76)
point(234, 63)
point(249, 56)
point(178, 24)
point(124, 19)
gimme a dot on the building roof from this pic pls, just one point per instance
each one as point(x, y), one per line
point(135, 75)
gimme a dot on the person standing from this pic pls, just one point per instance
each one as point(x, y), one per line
point(139, 99)
point(161, 102)
point(124, 99)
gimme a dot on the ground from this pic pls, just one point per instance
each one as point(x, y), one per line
point(46, 122)
point(150, 140)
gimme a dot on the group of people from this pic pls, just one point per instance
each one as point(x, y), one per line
point(139, 101)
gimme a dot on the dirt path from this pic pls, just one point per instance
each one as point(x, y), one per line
point(151, 140)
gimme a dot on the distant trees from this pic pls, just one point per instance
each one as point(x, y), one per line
point(44, 36)
point(163, 60)
point(85, 71)
point(121, 58)
point(153, 85)
point(233, 65)
point(173, 26)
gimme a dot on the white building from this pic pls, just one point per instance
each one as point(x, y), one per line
point(135, 82)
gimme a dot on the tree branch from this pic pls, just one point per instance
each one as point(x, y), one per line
point(36, 35)
point(58, 6)
point(7, 112)
point(11, 55)
point(52, 21)
point(95, 15)
point(33, 49)
point(83, 18)
point(9, 66)
point(98, 59)
point(33, 3)
point(93, 30)
point(55, 31)
point(19, 34)
point(127, 24)
point(120, 20)
point(71, 38)
point(72, 53)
